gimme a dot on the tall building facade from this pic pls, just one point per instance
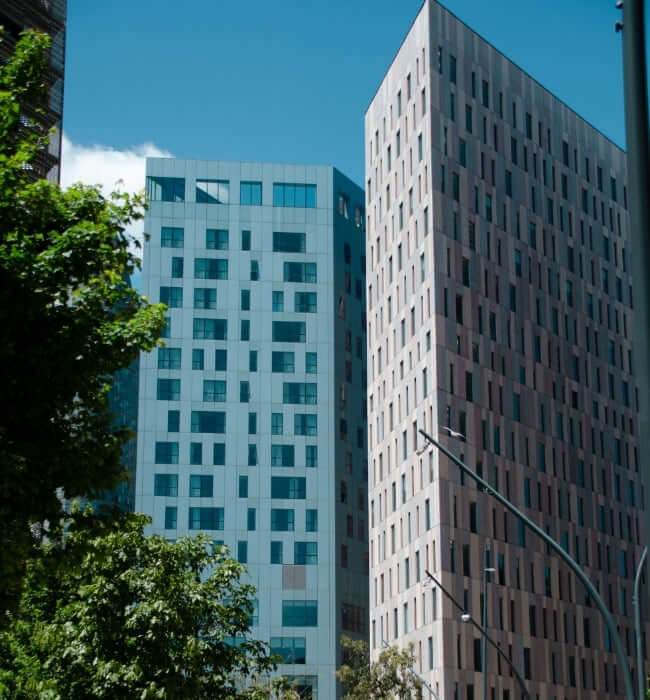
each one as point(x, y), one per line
point(499, 306)
point(251, 422)
point(47, 16)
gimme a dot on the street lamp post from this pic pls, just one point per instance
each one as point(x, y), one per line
point(487, 569)
point(593, 592)
point(466, 617)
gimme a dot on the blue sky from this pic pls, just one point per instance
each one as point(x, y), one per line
point(289, 81)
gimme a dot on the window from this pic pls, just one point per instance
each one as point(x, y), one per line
point(305, 302)
point(462, 152)
point(509, 183)
point(277, 301)
point(173, 421)
point(168, 390)
point(242, 551)
point(177, 268)
point(285, 242)
point(197, 358)
point(250, 193)
point(282, 519)
point(282, 456)
point(311, 363)
point(172, 237)
point(277, 420)
point(282, 362)
point(286, 194)
point(213, 191)
point(244, 392)
point(276, 552)
point(452, 69)
point(288, 331)
point(311, 520)
point(205, 298)
point(220, 360)
point(171, 517)
point(311, 456)
point(169, 358)
point(209, 329)
point(166, 485)
point(205, 519)
point(208, 422)
point(290, 649)
point(214, 390)
point(300, 393)
point(252, 454)
point(216, 239)
point(166, 189)
point(245, 300)
point(305, 553)
point(219, 454)
point(299, 613)
point(305, 424)
point(171, 296)
point(293, 487)
point(243, 486)
point(200, 486)
point(299, 272)
point(210, 269)
point(196, 453)
point(468, 119)
point(245, 240)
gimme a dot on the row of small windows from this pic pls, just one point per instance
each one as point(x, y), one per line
point(206, 298)
point(281, 361)
point(281, 455)
point(217, 329)
point(282, 487)
point(219, 239)
point(212, 191)
point(169, 389)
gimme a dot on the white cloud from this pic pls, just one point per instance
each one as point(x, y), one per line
point(106, 166)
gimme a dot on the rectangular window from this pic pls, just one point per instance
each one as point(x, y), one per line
point(168, 390)
point(177, 268)
point(220, 360)
point(245, 240)
point(468, 119)
point(300, 393)
point(282, 361)
point(210, 268)
point(305, 424)
point(166, 189)
point(205, 298)
point(173, 421)
point(277, 301)
point(299, 272)
point(166, 485)
point(200, 486)
point(172, 237)
point(305, 302)
point(242, 551)
point(282, 456)
point(277, 420)
point(244, 392)
point(208, 422)
point(290, 649)
point(197, 358)
point(219, 454)
point(299, 613)
point(282, 519)
point(285, 242)
point(311, 456)
point(286, 194)
point(305, 553)
point(172, 297)
point(311, 363)
point(209, 329)
point(196, 453)
point(213, 191)
point(288, 331)
point(250, 193)
point(214, 390)
point(205, 519)
point(216, 239)
point(311, 520)
point(293, 487)
point(276, 552)
point(169, 358)
point(171, 517)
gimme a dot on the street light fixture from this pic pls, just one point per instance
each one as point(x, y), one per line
point(466, 617)
point(593, 592)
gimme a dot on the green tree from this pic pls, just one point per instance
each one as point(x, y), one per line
point(109, 613)
point(68, 320)
point(388, 677)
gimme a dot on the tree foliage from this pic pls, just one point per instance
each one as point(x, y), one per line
point(109, 613)
point(388, 677)
point(68, 319)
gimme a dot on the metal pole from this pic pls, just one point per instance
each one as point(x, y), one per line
point(481, 629)
point(638, 177)
point(618, 644)
point(484, 621)
point(636, 603)
point(417, 675)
